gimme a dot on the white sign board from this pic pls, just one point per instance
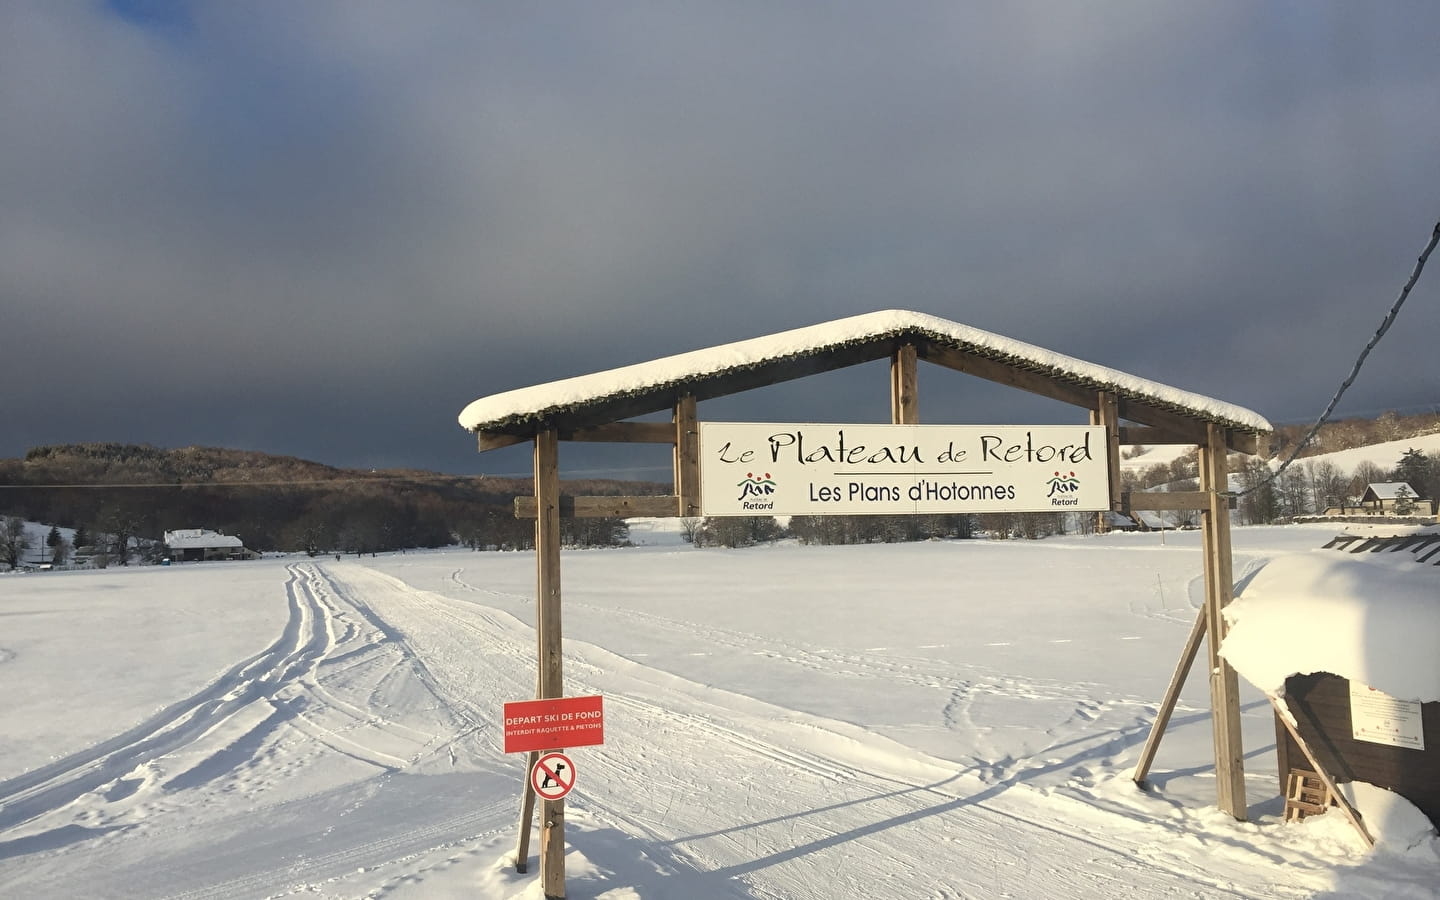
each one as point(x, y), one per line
point(751, 469)
point(1382, 719)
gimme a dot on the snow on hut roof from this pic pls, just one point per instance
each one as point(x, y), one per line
point(1390, 490)
point(199, 539)
point(546, 403)
point(1368, 616)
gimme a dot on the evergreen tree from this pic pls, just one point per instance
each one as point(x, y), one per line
point(1404, 502)
point(1417, 470)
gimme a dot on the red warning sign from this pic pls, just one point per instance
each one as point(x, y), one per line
point(553, 776)
point(553, 724)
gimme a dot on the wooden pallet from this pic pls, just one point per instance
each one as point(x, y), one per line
point(1305, 795)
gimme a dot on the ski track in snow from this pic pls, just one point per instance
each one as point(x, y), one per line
point(885, 813)
point(317, 693)
point(53, 786)
point(373, 682)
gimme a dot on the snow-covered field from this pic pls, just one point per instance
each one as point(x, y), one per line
point(947, 719)
point(1386, 455)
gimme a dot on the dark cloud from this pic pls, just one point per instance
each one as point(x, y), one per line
point(322, 229)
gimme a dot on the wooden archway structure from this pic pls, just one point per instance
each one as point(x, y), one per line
point(1132, 410)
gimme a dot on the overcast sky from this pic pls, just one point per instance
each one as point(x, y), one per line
point(322, 228)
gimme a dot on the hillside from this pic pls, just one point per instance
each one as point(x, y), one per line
point(291, 504)
point(1348, 434)
point(271, 502)
point(1359, 450)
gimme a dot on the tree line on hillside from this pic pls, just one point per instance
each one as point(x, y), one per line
point(1307, 487)
point(1311, 488)
point(123, 497)
point(1346, 434)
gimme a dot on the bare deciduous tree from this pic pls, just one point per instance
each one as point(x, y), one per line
point(13, 542)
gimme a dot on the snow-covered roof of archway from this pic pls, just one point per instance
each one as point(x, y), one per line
point(729, 368)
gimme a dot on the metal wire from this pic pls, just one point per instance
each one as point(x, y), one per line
point(1355, 369)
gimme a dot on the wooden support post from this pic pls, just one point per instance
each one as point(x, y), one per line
point(1219, 588)
point(687, 457)
point(1340, 801)
point(1172, 696)
point(527, 812)
point(551, 681)
point(904, 387)
point(1107, 414)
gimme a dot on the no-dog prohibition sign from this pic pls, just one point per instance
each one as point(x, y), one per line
point(553, 776)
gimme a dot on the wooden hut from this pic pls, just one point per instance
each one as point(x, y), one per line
point(1344, 642)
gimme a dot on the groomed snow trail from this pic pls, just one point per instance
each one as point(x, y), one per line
point(329, 749)
point(358, 755)
point(778, 803)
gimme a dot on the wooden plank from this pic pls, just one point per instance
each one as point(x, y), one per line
point(624, 433)
point(527, 812)
point(1181, 426)
point(1134, 435)
point(1219, 589)
point(623, 507)
point(685, 432)
point(1183, 429)
point(1001, 373)
point(1305, 793)
point(1283, 762)
point(904, 387)
point(489, 441)
point(549, 636)
point(1177, 428)
point(1246, 442)
point(1172, 696)
point(1340, 801)
point(1163, 500)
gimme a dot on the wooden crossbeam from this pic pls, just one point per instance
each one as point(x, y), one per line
point(487, 441)
point(1192, 430)
point(659, 506)
point(1132, 435)
point(1000, 373)
point(1164, 500)
point(624, 433)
